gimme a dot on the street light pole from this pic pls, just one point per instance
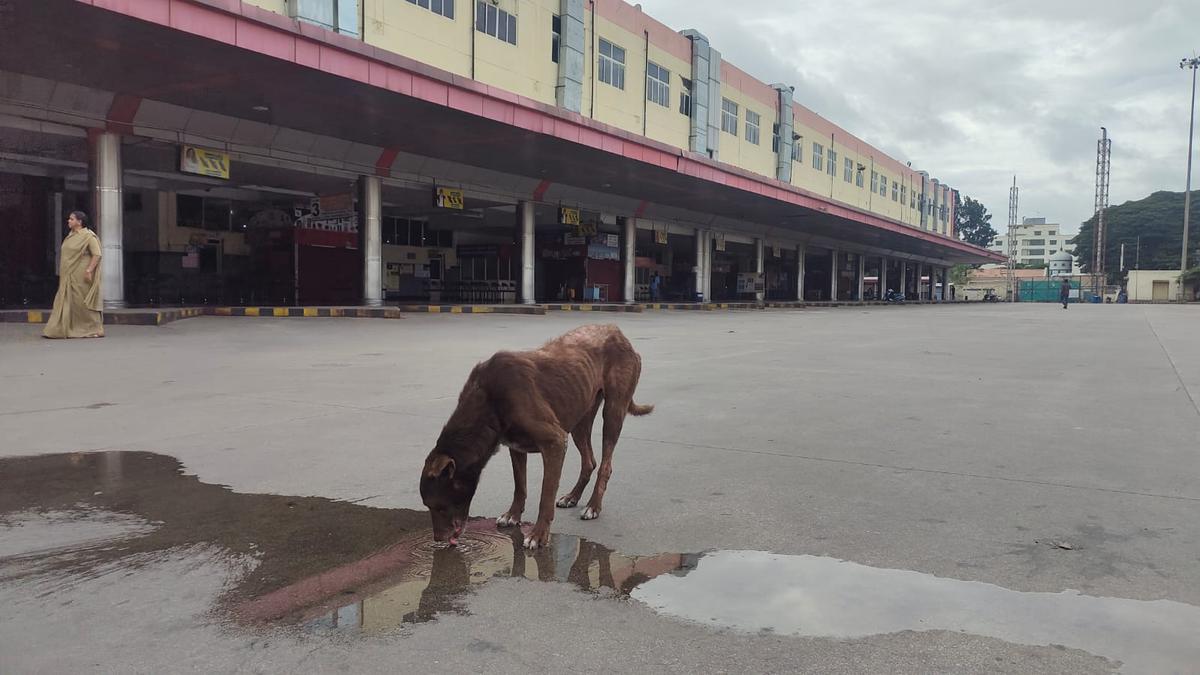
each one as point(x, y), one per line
point(1192, 63)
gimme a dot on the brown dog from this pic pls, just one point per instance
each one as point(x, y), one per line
point(529, 401)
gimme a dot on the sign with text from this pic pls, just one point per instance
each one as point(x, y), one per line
point(203, 162)
point(660, 236)
point(720, 242)
point(584, 229)
point(448, 198)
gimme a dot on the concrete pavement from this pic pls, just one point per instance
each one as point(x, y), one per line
point(964, 444)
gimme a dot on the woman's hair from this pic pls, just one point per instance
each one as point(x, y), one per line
point(81, 217)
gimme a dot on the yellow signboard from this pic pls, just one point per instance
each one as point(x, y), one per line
point(204, 162)
point(448, 198)
point(568, 216)
point(584, 229)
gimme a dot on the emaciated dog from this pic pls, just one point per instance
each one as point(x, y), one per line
point(529, 401)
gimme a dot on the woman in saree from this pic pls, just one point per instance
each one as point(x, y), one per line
point(78, 304)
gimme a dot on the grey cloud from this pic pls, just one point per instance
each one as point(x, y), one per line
point(975, 92)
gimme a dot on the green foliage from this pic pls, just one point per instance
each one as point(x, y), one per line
point(972, 222)
point(1157, 220)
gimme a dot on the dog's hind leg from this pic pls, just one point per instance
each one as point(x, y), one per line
point(513, 515)
point(582, 435)
point(614, 419)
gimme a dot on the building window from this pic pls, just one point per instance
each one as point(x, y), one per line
point(858, 175)
point(495, 22)
point(798, 150)
point(775, 138)
point(336, 15)
point(818, 155)
point(903, 195)
point(729, 116)
point(874, 181)
point(658, 84)
point(1054, 242)
point(443, 7)
point(206, 213)
point(895, 191)
point(1035, 242)
point(1037, 233)
point(612, 64)
point(685, 98)
point(831, 163)
point(912, 199)
point(848, 170)
point(753, 120)
point(555, 36)
point(883, 183)
point(1035, 251)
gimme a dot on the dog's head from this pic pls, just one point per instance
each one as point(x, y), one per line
point(447, 492)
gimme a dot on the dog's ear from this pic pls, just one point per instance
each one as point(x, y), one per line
point(437, 465)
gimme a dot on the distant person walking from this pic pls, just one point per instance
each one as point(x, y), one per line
point(78, 304)
point(1064, 292)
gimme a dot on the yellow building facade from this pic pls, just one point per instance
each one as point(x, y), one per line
point(637, 75)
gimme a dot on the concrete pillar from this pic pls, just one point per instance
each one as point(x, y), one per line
point(708, 256)
point(759, 260)
point(108, 216)
point(903, 285)
point(700, 263)
point(881, 287)
point(525, 225)
point(917, 280)
point(372, 240)
point(862, 272)
point(629, 238)
point(833, 276)
point(800, 273)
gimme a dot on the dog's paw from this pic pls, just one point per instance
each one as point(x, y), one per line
point(535, 541)
point(566, 501)
point(589, 514)
point(508, 520)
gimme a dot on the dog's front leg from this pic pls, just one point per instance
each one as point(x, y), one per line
point(513, 515)
point(552, 463)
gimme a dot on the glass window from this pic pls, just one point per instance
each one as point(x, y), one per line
point(848, 170)
point(442, 7)
point(858, 175)
point(818, 156)
point(685, 97)
point(775, 138)
point(729, 116)
point(612, 64)
point(895, 191)
point(658, 84)
point(555, 36)
point(831, 163)
point(496, 22)
point(753, 121)
point(874, 181)
point(798, 150)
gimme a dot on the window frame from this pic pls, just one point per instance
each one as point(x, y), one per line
point(753, 128)
point(818, 156)
point(447, 10)
point(729, 116)
point(658, 85)
point(610, 68)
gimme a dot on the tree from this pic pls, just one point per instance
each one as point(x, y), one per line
point(972, 222)
point(1151, 229)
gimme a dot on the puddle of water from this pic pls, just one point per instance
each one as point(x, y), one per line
point(324, 566)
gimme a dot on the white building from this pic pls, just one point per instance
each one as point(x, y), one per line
point(1037, 242)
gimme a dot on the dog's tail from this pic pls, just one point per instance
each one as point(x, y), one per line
point(639, 410)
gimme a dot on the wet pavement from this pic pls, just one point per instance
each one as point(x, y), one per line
point(146, 526)
point(316, 565)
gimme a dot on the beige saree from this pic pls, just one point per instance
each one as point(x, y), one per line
point(78, 304)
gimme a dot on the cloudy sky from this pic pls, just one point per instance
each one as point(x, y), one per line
point(976, 91)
